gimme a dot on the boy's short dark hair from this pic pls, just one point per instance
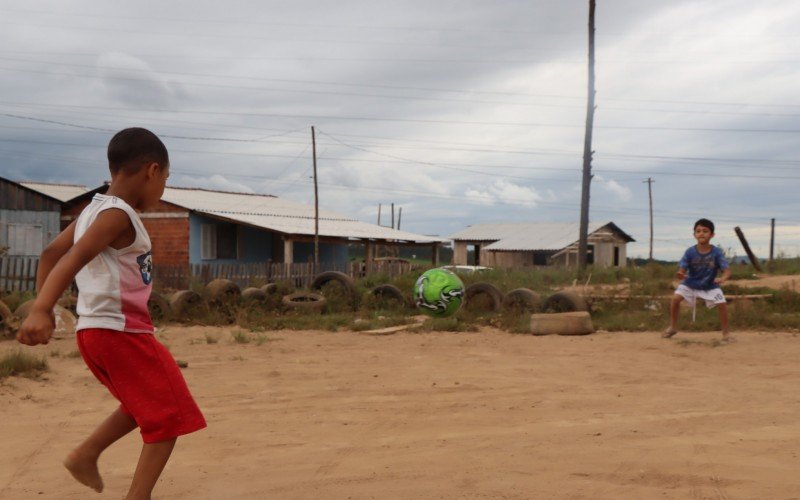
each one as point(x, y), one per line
point(705, 223)
point(132, 148)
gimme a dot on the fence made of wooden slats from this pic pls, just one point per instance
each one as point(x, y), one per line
point(18, 274)
point(300, 275)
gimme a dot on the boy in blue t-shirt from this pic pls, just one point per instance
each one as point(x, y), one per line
point(698, 270)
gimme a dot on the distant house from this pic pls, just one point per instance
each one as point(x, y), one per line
point(29, 219)
point(512, 245)
point(199, 226)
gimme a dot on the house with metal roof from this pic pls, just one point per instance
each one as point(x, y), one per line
point(29, 219)
point(61, 192)
point(520, 244)
point(201, 226)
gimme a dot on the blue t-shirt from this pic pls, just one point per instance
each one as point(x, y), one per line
point(701, 268)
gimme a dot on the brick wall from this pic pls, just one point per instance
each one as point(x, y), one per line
point(170, 239)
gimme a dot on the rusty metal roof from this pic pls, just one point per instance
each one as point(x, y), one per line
point(277, 214)
point(529, 236)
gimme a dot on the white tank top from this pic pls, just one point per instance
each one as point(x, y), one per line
point(114, 287)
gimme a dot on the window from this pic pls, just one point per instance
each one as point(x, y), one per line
point(25, 239)
point(219, 241)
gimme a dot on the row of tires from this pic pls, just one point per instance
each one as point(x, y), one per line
point(221, 292)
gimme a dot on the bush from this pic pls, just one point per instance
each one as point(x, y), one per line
point(18, 363)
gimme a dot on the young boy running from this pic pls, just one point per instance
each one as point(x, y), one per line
point(107, 251)
point(698, 269)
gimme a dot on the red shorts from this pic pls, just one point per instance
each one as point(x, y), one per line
point(145, 379)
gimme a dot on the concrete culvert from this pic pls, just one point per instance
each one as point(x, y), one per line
point(223, 291)
point(159, 307)
point(567, 323)
point(565, 302)
point(254, 295)
point(483, 295)
point(304, 301)
point(185, 303)
point(522, 300)
point(65, 320)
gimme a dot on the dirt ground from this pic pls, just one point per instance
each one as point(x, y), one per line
point(437, 415)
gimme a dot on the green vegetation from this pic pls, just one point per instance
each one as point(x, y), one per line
point(18, 363)
point(647, 309)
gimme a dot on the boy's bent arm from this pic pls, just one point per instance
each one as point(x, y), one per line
point(106, 228)
point(53, 253)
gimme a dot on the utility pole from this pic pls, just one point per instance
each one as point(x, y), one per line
point(392, 215)
point(379, 214)
point(400, 215)
point(587, 151)
point(772, 241)
point(650, 182)
point(316, 201)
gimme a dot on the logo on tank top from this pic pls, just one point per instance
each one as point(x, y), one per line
point(145, 262)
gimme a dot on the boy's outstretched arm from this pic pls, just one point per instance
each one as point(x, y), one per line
point(726, 274)
point(53, 253)
point(108, 229)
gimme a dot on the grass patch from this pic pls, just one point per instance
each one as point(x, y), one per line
point(241, 337)
point(18, 363)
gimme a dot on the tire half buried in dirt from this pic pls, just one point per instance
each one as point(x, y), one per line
point(491, 292)
point(159, 307)
point(304, 301)
point(328, 276)
point(389, 292)
point(254, 295)
point(565, 302)
point(223, 291)
point(568, 323)
point(185, 303)
point(523, 300)
point(5, 319)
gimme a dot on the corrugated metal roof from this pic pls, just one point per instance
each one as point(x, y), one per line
point(526, 236)
point(61, 192)
point(282, 215)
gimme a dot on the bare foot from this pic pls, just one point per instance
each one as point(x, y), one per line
point(84, 470)
point(669, 332)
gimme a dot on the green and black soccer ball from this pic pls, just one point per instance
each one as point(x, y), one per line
point(439, 293)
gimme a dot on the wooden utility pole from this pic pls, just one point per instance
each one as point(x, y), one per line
point(379, 214)
point(650, 182)
point(316, 201)
point(392, 215)
point(400, 215)
point(772, 241)
point(587, 150)
point(753, 259)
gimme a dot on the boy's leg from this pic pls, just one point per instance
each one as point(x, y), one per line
point(674, 310)
point(82, 461)
point(723, 321)
point(152, 460)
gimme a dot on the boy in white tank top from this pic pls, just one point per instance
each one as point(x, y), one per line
point(107, 252)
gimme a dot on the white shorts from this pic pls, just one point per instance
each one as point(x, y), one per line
point(712, 297)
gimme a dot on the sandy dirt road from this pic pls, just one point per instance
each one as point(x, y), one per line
point(438, 415)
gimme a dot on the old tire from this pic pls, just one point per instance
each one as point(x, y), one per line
point(65, 320)
point(488, 290)
point(223, 291)
point(185, 303)
point(334, 276)
point(304, 301)
point(389, 293)
point(565, 302)
point(254, 295)
point(159, 307)
point(567, 323)
point(269, 288)
point(522, 300)
point(6, 329)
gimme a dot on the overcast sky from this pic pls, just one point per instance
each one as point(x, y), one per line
point(460, 112)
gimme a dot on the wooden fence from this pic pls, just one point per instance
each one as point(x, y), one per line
point(300, 275)
point(18, 274)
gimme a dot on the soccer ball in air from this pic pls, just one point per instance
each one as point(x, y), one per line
point(439, 292)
